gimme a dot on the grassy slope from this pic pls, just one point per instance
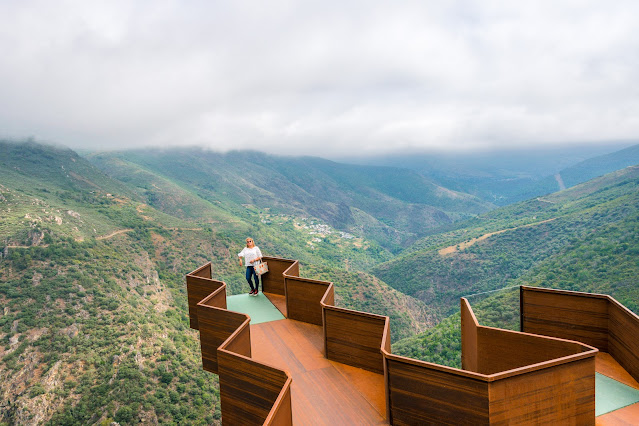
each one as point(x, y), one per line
point(47, 186)
point(161, 193)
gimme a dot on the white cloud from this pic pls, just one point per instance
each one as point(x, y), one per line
point(318, 77)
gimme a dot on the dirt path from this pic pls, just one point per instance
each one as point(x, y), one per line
point(466, 244)
point(560, 182)
point(140, 209)
point(113, 234)
point(122, 231)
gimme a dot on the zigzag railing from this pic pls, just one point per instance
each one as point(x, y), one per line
point(251, 392)
point(596, 319)
point(506, 376)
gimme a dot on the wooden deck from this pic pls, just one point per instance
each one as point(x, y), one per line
point(330, 393)
point(323, 392)
point(298, 348)
point(330, 365)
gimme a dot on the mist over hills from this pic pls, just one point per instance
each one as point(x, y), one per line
point(507, 176)
point(94, 325)
point(582, 172)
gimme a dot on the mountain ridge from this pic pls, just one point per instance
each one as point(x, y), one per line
point(350, 198)
point(508, 176)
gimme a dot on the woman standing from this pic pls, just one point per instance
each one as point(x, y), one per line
point(251, 254)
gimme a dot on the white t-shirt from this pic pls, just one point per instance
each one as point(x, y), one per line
point(250, 254)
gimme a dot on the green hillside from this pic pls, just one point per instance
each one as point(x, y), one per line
point(94, 320)
point(52, 168)
point(489, 252)
point(388, 205)
point(585, 239)
point(160, 192)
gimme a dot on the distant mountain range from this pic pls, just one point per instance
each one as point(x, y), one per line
point(507, 176)
point(582, 172)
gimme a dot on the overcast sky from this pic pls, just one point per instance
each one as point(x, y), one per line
point(322, 77)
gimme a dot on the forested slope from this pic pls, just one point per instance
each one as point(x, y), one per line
point(582, 239)
point(388, 205)
point(94, 320)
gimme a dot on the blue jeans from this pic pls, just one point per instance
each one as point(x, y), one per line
point(250, 273)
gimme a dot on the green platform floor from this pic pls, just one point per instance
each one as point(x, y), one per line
point(611, 395)
point(259, 308)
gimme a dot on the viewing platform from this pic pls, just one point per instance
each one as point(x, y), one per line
point(323, 364)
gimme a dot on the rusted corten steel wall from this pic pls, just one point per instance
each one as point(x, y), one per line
point(555, 384)
point(568, 315)
point(273, 281)
point(506, 376)
point(251, 392)
point(354, 338)
point(350, 337)
point(303, 298)
point(199, 285)
point(596, 319)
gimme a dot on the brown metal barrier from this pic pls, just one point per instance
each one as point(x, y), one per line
point(350, 337)
point(274, 280)
point(200, 285)
point(251, 392)
point(506, 376)
point(555, 384)
point(596, 319)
